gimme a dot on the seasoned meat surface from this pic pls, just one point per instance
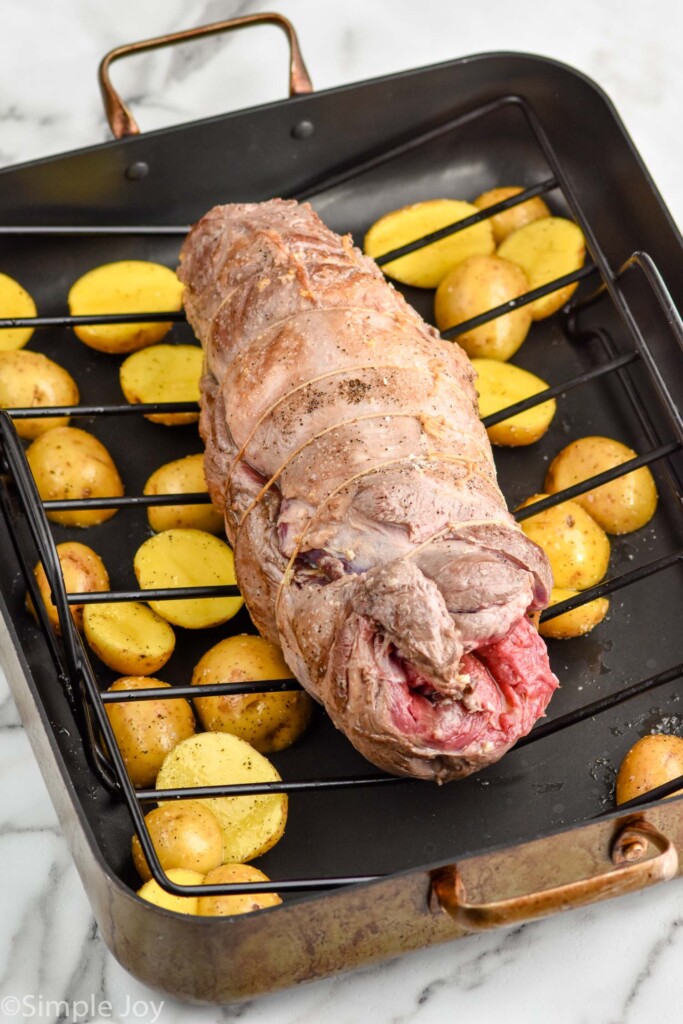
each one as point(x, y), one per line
point(371, 539)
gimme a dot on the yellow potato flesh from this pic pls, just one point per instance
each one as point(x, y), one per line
point(475, 286)
point(505, 223)
point(500, 385)
point(185, 834)
point(577, 548)
point(83, 571)
point(545, 250)
point(251, 825)
point(622, 506)
point(188, 558)
point(153, 893)
point(577, 622)
point(129, 286)
point(226, 906)
point(165, 373)
point(29, 380)
point(650, 762)
point(428, 266)
point(15, 301)
point(128, 637)
point(183, 476)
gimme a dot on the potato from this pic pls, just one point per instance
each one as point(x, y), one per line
point(427, 267)
point(29, 380)
point(500, 385)
point(129, 286)
point(622, 506)
point(650, 762)
point(226, 906)
point(188, 558)
point(546, 249)
point(251, 825)
point(576, 623)
point(183, 476)
point(128, 636)
point(269, 721)
point(153, 893)
point(577, 549)
point(505, 223)
point(165, 373)
point(84, 573)
point(146, 730)
point(185, 834)
point(475, 286)
point(15, 301)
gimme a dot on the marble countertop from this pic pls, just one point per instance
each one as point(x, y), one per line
point(615, 963)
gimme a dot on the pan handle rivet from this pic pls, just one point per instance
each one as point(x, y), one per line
point(137, 171)
point(303, 130)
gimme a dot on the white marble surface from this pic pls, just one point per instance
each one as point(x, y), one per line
point(617, 963)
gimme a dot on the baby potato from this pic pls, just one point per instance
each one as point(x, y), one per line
point(84, 573)
point(28, 380)
point(146, 730)
point(502, 384)
point(185, 834)
point(15, 301)
point(577, 548)
point(128, 636)
point(128, 286)
point(153, 893)
point(188, 558)
point(622, 506)
point(476, 285)
point(269, 721)
point(183, 476)
point(70, 463)
point(251, 825)
point(165, 373)
point(226, 906)
point(505, 223)
point(427, 267)
point(576, 623)
point(546, 249)
point(650, 762)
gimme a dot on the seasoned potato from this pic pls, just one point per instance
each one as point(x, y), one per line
point(129, 286)
point(475, 286)
point(165, 373)
point(500, 385)
point(546, 249)
point(226, 906)
point(30, 380)
point(622, 506)
point(146, 730)
point(188, 558)
point(153, 893)
point(128, 637)
point(427, 267)
point(650, 762)
point(251, 825)
point(269, 721)
point(183, 476)
point(576, 623)
point(505, 223)
point(15, 301)
point(185, 834)
point(84, 573)
point(577, 549)
point(70, 463)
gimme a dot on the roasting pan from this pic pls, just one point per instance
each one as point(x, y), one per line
point(371, 867)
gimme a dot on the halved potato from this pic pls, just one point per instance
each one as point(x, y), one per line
point(251, 825)
point(128, 636)
point(502, 384)
point(650, 762)
point(15, 301)
point(84, 573)
point(505, 223)
point(185, 834)
point(183, 476)
point(428, 266)
point(226, 906)
point(546, 249)
point(575, 623)
point(165, 373)
point(153, 893)
point(128, 286)
point(188, 558)
point(31, 380)
point(577, 549)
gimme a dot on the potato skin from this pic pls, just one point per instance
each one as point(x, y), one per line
point(577, 622)
point(153, 893)
point(577, 548)
point(128, 637)
point(227, 906)
point(83, 571)
point(15, 301)
point(546, 249)
point(30, 379)
point(622, 506)
point(502, 384)
point(183, 476)
point(505, 223)
point(650, 762)
point(164, 373)
point(146, 730)
point(185, 834)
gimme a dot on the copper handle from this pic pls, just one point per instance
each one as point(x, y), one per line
point(632, 871)
point(122, 122)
